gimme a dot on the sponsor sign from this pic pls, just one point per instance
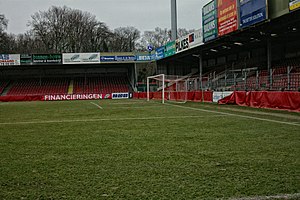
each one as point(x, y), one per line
point(120, 95)
point(81, 58)
point(227, 16)
point(26, 59)
point(182, 44)
point(76, 97)
point(125, 58)
point(129, 58)
point(195, 39)
point(209, 21)
point(220, 95)
point(170, 48)
point(9, 59)
point(46, 58)
point(252, 12)
point(294, 4)
point(160, 52)
point(149, 57)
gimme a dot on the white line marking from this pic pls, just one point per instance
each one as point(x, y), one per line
point(238, 115)
point(113, 119)
point(279, 196)
point(96, 105)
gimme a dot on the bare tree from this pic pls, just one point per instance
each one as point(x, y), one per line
point(156, 38)
point(124, 39)
point(62, 29)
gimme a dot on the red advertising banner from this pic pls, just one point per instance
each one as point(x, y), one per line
point(227, 16)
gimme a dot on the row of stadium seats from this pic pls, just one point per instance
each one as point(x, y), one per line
point(88, 85)
point(108, 84)
point(39, 86)
point(3, 84)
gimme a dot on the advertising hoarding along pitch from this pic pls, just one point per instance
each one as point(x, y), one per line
point(81, 58)
point(9, 59)
point(227, 16)
point(46, 58)
point(252, 12)
point(209, 21)
point(294, 4)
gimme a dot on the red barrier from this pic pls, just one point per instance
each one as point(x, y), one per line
point(22, 98)
point(265, 99)
point(191, 96)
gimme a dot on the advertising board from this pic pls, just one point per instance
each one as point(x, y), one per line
point(170, 49)
point(227, 16)
point(160, 52)
point(252, 12)
point(46, 58)
point(195, 39)
point(294, 4)
point(209, 21)
point(81, 58)
point(9, 59)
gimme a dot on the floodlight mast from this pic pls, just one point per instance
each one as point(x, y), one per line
point(173, 20)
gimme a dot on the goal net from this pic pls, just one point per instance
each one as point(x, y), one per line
point(168, 88)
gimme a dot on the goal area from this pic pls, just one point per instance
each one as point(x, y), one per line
point(169, 88)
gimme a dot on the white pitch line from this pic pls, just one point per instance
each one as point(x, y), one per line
point(103, 119)
point(237, 115)
point(96, 105)
point(279, 196)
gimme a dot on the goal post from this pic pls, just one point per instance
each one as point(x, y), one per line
point(171, 88)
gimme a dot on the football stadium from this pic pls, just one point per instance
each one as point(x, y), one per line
point(211, 115)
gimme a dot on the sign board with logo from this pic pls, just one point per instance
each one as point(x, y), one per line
point(209, 21)
point(170, 49)
point(81, 58)
point(160, 52)
point(182, 44)
point(195, 39)
point(9, 59)
point(69, 97)
point(46, 58)
point(120, 95)
point(220, 95)
point(145, 57)
point(294, 4)
point(227, 16)
point(26, 59)
point(252, 12)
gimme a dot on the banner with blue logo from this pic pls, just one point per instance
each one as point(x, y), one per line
point(160, 53)
point(252, 12)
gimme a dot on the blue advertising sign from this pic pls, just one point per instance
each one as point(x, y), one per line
point(160, 53)
point(252, 12)
point(107, 58)
point(125, 58)
point(128, 58)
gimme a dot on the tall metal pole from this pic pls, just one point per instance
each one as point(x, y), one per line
point(173, 20)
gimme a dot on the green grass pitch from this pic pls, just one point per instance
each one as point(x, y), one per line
point(133, 149)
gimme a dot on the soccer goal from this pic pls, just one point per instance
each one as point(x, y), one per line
point(167, 88)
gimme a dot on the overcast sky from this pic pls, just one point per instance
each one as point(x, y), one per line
point(142, 14)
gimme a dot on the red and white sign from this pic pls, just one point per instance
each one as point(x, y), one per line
point(69, 97)
point(10, 59)
point(227, 16)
